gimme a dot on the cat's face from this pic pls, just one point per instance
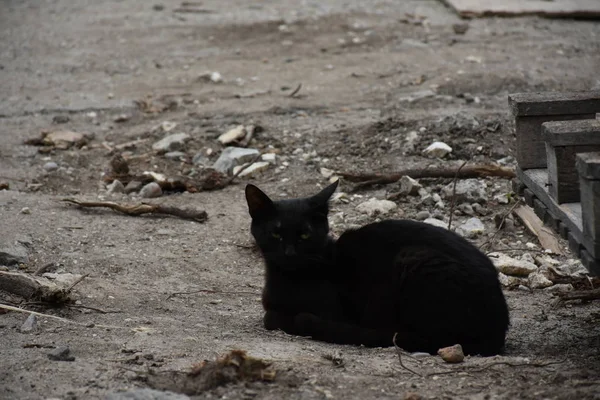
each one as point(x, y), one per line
point(290, 233)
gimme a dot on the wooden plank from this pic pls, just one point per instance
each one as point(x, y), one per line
point(574, 244)
point(592, 264)
point(588, 9)
point(531, 150)
point(563, 230)
point(588, 165)
point(536, 226)
point(568, 213)
point(555, 103)
point(529, 196)
point(590, 210)
point(563, 179)
point(570, 133)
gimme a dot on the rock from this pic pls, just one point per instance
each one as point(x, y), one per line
point(437, 150)
point(460, 28)
point(133, 186)
point(145, 394)
point(116, 187)
point(214, 77)
point(572, 268)
point(63, 139)
point(509, 281)
point(467, 191)
point(436, 222)
point(269, 157)
point(64, 279)
point(60, 119)
point(201, 159)
point(422, 215)
point(233, 135)
point(172, 142)
point(527, 257)
point(452, 354)
point(466, 209)
point(374, 207)
point(510, 266)
point(418, 95)
point(502, 198)
point(471, 228)
point(409, 186)
point(167, 126)
point(253, 169)
point(30, 324)
point(25, 210)
point(537, 280)
point(13, 253)
point(151, 190)
point(175, 155)
point(62, 353)
point(50, 166)
point(559, 288)
point(232, 156)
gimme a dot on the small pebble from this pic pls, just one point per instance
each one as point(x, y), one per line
point(25, 210)
point(51, 166)
point(30, 324)
point(133, 186)
point(452, 354)
point(151, 190)
point(422, 215)
point(62, 353)
point(116, 187)
point(60, 119)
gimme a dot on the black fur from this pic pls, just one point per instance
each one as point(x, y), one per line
point(428, 285)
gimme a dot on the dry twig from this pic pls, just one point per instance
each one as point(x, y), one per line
point(453, 203)
point(588, 295)
point(295, 92)
point(491, 240)
point(399, 351)
point(144, 208)
point(258, 156)
point(495, 363)
point(470, 171)
point(208, 291)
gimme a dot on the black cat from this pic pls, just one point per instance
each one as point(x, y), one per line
point(425, 284)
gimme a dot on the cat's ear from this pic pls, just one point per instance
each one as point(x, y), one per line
point(319, 201)
point(259, 204)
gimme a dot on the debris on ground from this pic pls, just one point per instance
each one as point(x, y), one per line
point(62, 353)
point(374, 207)
point(235, 366)
point(59, 140)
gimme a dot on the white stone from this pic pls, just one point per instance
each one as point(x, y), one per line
point(572, 268)
point(116, 187)
point(471, 228)
point(409, 186)
point(253, 169)
point(560, 287)
point(233, 135)
point(373, 207)
point(436, 222)
point(437, 150)
point(326, 172)
point(467, 190)
point(167, 126)
point(511, 266)
point(537, 280)
point(172, 142)
point(502, 198)
point(232, 156)
point(509, 281)
point(269, 157)
point(151, 190)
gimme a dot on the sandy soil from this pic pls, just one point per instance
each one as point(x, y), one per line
point(359, 63)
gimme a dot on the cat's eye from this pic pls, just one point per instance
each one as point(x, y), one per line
point(304, 236)
point(276, 235)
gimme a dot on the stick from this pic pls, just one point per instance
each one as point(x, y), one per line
point(454, 195)
point(295, 92)
point(207, 291)
point(506, 214)
point(242, 169)
point(82, 277)
point(44, 268)
point(536, 226)
point(471, 171)
point(493, 364)
point(593, 294)
point(399, 351)
point(11, 308)
point(144, 208)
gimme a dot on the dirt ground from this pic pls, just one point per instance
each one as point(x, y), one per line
point(371, 72)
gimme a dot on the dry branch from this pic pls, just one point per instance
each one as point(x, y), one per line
point(470, 171)
point(535, 225)
point(144, 208)
point(588, 295)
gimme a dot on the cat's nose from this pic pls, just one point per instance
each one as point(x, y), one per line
point(290, 250)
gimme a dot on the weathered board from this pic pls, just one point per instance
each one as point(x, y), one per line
point(555, 103)
point(590, 201)
point(552, 9)
point(563, 141)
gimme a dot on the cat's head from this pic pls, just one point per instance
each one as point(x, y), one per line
point(290, 233)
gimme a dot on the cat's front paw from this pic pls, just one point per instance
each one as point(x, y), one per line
point(276, 320)
point(306, 324)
